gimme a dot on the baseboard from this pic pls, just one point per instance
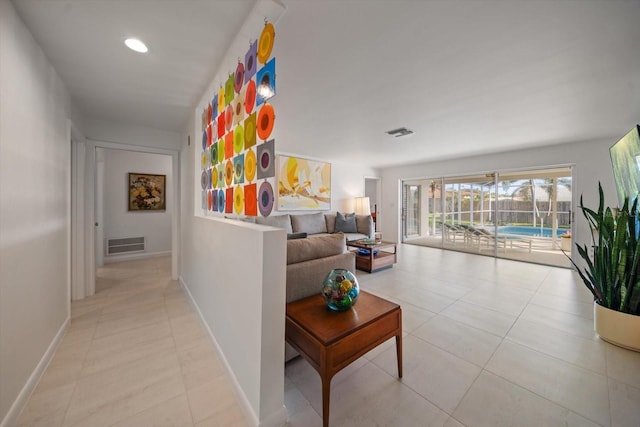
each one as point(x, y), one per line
point(277, 419)
point(246, 406)
point(108, 259)
point(11, 419)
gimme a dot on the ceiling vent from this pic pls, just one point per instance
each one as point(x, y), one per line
point(400, 132)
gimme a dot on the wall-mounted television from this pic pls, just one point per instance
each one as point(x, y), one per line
point(625, 158)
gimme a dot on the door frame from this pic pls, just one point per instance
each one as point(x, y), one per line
point(83, 183)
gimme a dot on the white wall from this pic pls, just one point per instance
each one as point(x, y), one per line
point(35, 154)
point(155, 226)
point(101, 130)
point(591, 160)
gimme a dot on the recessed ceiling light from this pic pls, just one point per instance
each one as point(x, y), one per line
point(137, 45)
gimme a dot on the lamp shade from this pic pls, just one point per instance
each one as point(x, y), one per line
point(362, 206)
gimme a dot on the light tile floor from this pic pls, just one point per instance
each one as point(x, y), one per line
point(486, 343)
point(135, 354)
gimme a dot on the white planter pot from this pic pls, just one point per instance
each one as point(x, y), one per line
point(565, 244)
point(616, 327)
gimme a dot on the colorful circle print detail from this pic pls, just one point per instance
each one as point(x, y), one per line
point(228, 117)
point(250, 97)
point(239, 78)
point(265, 44)
point(220, 201)
point(265, 198)
point(228, 173)
point(250, 165)
point(238, 199)
point(238, 139)
point(214, 177)
point(266, 118)
point(203, 180)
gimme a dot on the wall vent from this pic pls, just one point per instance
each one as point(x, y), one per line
point(126, 245)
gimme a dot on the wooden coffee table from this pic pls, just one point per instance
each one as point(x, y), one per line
point(331, 340)
point(373, 261)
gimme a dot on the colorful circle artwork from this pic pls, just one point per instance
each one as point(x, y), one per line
point(250, 165)
point(239, 80)
point(221, 124)
point(264, 162)
point(228, 172)
point(209, 200)
point(250, 97)
point(214, 200)
point(238, 139)
point(221, 100)
point(266, 118)
point(220, 150)
point(204, 139)
point(214, 177)
point(214, 153)
point(265, 198)
point(203, 180)
point(238, 169)
point(220, 201)
point(250, 131)
point(238, 199)
point(250, 61)
point(214, 107)
point(265, 44)
point(220, 177)
point(204, 160)
point(228, 117)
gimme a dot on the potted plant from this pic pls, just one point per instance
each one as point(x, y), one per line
point(612, 275)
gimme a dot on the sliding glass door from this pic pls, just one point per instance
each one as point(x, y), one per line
point(411, 210)
point(523, 215)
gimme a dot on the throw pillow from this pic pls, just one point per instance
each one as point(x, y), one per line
point(346, 223)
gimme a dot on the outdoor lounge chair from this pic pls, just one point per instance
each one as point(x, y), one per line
point(480, 236)
point(454, 233)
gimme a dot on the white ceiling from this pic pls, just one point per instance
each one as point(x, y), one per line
point(469, 77)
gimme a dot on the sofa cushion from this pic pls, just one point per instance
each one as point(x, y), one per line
point(279, 221)
point(330, 219)
point(346, 223)
point(300, 250)
point(364, 224)
point(309, 223)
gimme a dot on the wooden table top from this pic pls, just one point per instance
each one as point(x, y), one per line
point(377, 245)
point(327, 325)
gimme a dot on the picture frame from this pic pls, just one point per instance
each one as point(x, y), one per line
point(303, 184)
point(147, 192)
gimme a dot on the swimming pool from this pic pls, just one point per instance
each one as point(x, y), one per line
point(530, 231)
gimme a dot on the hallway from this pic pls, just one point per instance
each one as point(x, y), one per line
point(135, 354)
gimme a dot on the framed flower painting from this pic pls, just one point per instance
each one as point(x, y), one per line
point(147, 192)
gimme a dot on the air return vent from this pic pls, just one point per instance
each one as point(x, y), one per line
point(400, 132)
point(126, 245)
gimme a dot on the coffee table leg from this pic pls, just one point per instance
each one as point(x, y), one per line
point(326, 389)
point(399, 353)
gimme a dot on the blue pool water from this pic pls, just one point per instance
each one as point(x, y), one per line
point(530, 231)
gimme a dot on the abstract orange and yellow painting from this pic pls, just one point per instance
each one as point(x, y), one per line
point(303, 184)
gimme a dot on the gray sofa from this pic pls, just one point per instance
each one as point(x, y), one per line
point(316, 224)
point(308, 262)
